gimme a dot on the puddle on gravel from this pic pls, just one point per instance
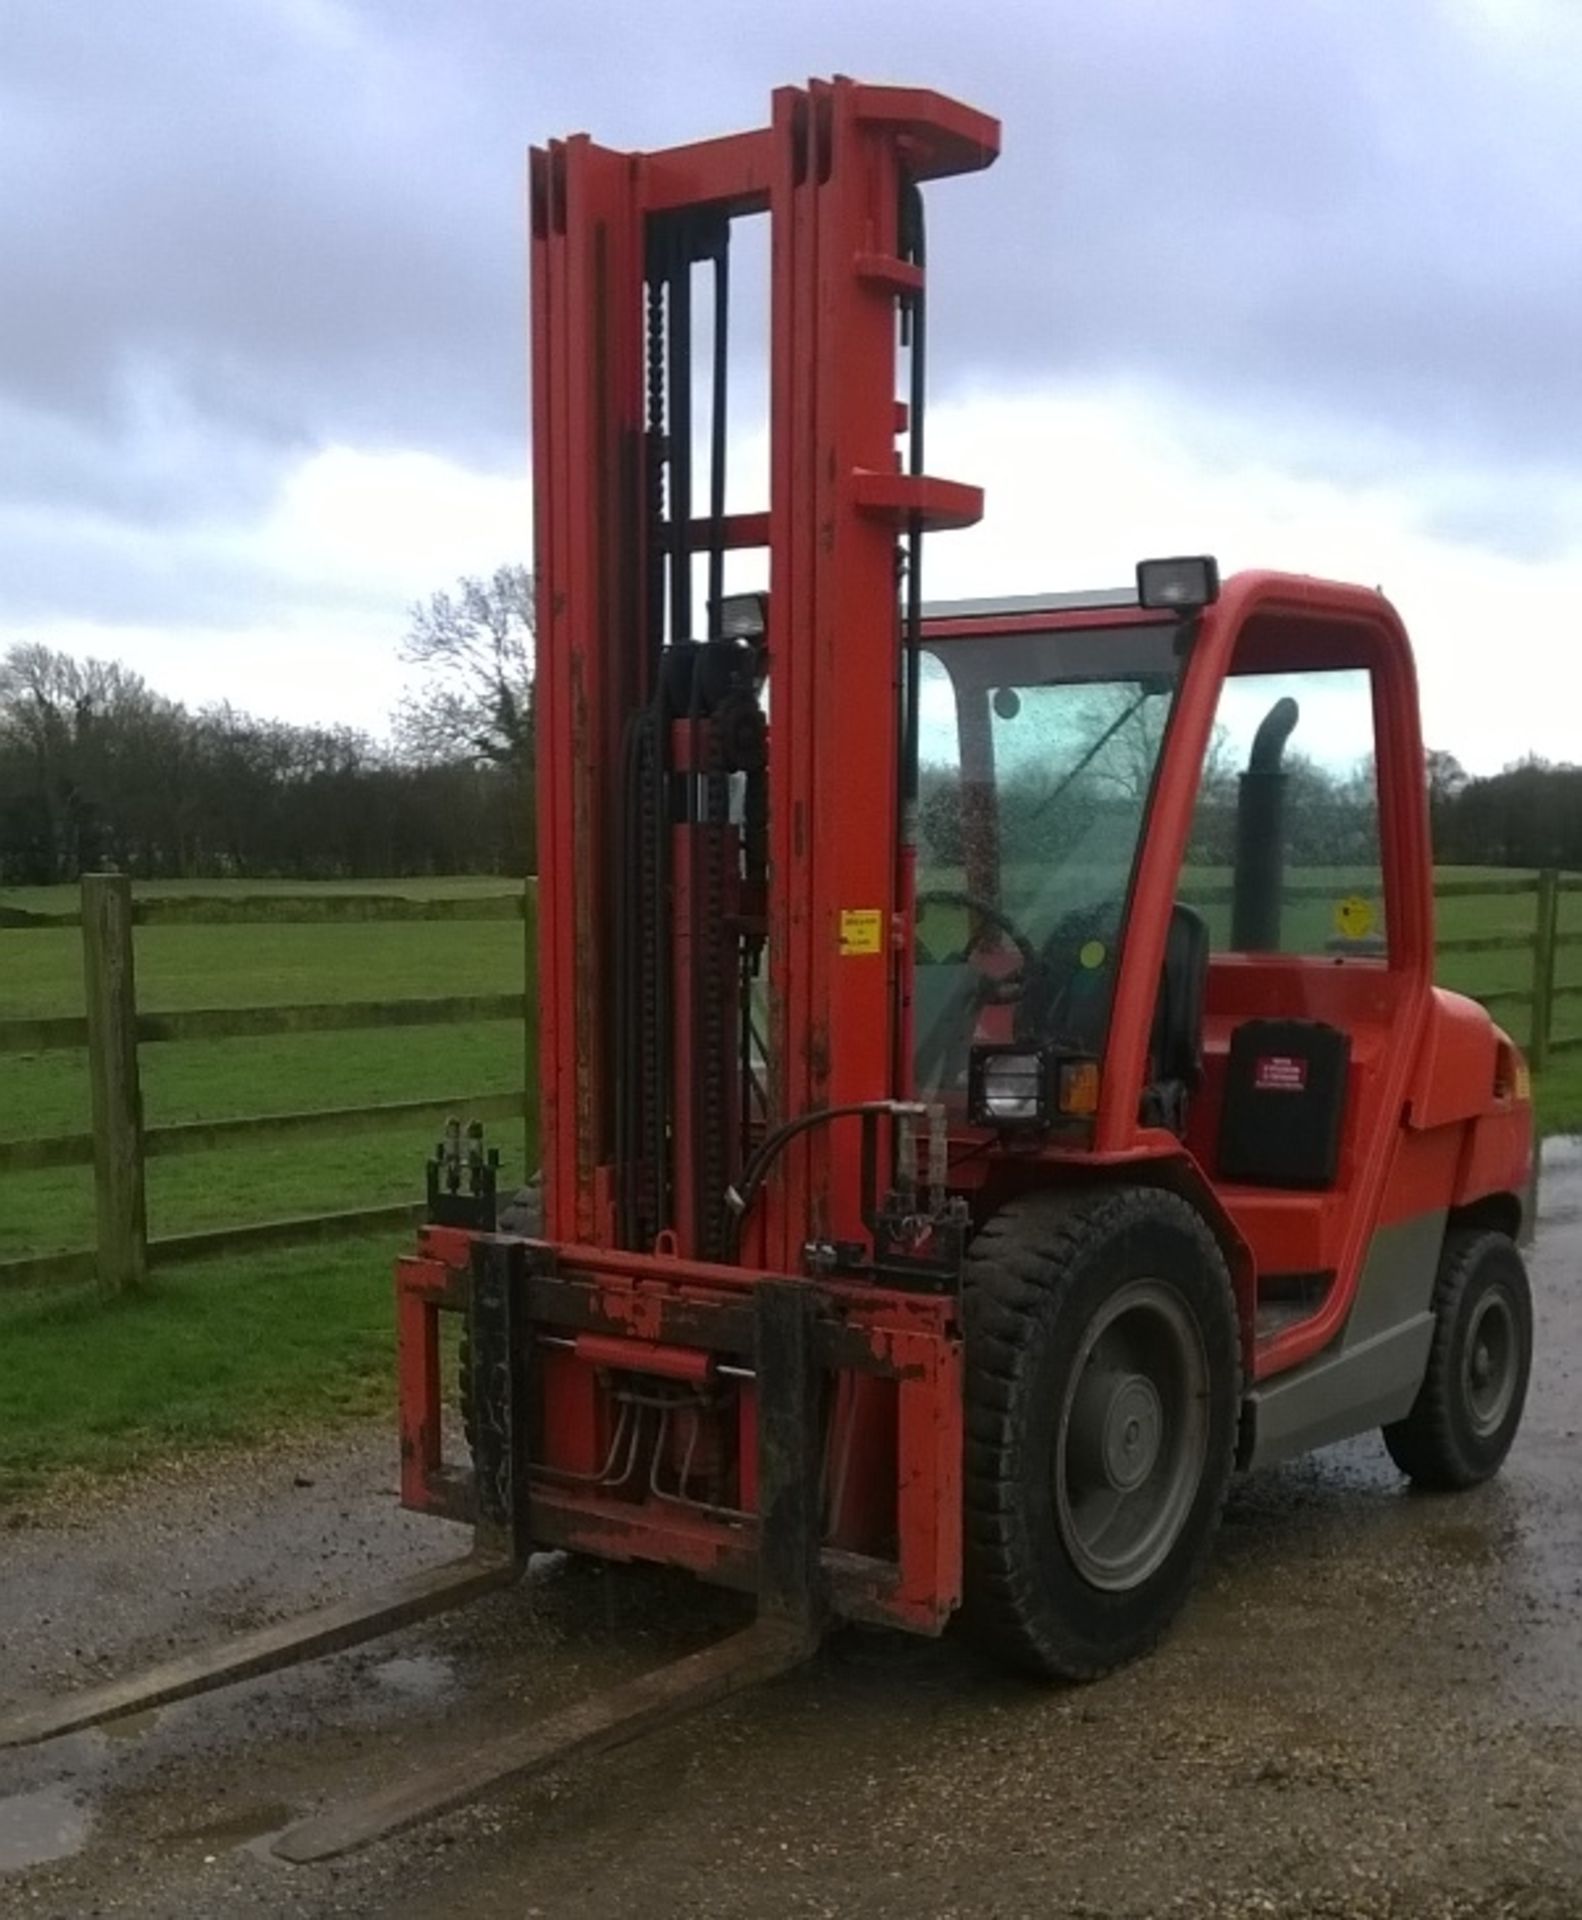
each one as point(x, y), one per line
point(416, 1676)
point(130, 1726)
point(49, 1823)
point(245, 1824)
point(1469, 1545)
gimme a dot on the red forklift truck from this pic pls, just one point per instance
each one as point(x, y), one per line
point(992, 1082)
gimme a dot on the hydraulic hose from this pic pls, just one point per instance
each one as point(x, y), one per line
point(739, 1198)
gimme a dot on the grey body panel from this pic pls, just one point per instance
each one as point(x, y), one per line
point(1528, 1226)
point(1371, 1374)
point(1093, 599)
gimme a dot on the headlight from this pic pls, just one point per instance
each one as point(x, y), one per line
point(1008, 1087)
point(1018, 1086)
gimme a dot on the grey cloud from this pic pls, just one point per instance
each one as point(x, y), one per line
point(1525, 517)
point(277, 215)
point(98, 569)
point(155, 459)
point(283, 225)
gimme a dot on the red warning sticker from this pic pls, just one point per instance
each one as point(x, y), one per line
point(1279, 1073)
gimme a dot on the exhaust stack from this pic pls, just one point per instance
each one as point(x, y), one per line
point(1259, 885)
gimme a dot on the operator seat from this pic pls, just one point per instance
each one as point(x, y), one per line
point(1175, 1045)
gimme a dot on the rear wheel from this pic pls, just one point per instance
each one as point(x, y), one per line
point(1103, 1389)
point(1474, 1389)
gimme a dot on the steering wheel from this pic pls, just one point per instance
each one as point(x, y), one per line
point(995, 992)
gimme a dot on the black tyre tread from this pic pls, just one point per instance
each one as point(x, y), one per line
point(523, 1213)
point(1425, 1445)
point(1018, 1257)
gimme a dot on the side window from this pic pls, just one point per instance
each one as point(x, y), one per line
point(1284, 853)
point(941, 854)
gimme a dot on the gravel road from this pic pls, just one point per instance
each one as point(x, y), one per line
point(1372, 1709)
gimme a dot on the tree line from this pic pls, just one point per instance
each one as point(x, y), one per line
point(1530, 815)
point(98, 769)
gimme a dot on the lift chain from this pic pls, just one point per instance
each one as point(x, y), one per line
point(713, 982)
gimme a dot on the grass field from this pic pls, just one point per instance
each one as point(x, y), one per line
point(232, 1348)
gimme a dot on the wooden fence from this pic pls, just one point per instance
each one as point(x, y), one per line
point(113, 1030)
point(1545, 943)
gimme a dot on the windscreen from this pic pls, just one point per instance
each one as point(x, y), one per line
point(1038, 754)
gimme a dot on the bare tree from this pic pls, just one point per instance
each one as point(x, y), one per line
point(1128, 723)
point(475, 647)
point(95, 751)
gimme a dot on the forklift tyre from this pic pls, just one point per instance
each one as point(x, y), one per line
point(1103, 1391)
point(1470, 1404)
point(523, 1213)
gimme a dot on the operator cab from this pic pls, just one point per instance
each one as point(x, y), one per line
point(1047, 769)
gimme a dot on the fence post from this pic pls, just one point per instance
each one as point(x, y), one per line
point(1545, 923)
point(111, 995)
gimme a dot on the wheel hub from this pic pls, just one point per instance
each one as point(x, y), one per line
point(1490, 1365)
point(1133, 1436)
point(1124, 1418)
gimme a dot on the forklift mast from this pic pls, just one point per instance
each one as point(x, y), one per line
point(690, 856)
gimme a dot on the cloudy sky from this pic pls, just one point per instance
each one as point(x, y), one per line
point(1297, 283)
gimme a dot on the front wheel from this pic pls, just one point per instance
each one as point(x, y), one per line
point(1470, 1404)
point(1103, 1390)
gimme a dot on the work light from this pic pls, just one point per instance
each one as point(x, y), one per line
point(1184, 583)
point(743, 616)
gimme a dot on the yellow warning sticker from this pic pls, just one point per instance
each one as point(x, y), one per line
point(1354, 917)
point(861, 931)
